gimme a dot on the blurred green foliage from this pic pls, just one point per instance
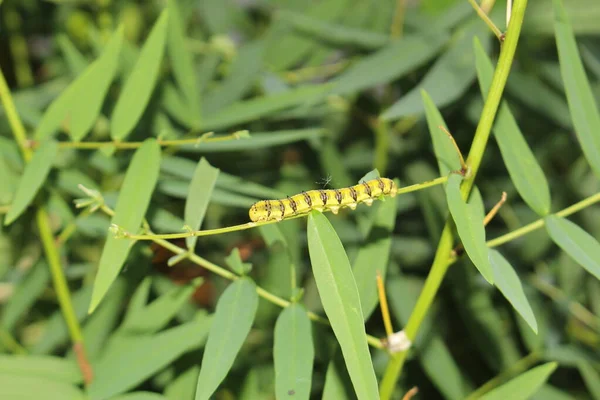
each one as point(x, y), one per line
point(119, 99)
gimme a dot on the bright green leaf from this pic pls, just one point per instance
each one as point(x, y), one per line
point(523, 386)
point(469, 224)
point(576, 242)
point(200, 192)
point(79, 105)
point(132, 204)
point(32, 180)
point(13, 386)
point(507, 281)
point(140, 84)
point(341, 301)
point(48, 367)
point(584, 110)
point(234, 260)
point(524, 170)
point(445, 151)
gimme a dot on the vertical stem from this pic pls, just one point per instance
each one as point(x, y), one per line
point(398, 22)
point(442, 259)
point(43, 222)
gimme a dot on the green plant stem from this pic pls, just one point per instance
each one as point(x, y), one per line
point(250, 225)
point(398, 21)
point(482, 14)
point(515, 369)
point(134, 145)
point(442, 258)
point(43, 222)
point(540, 222)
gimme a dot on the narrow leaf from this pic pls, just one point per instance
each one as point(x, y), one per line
point(200, 192)
point(469, 224)
point(249, 110)
point(389, 63)
point(14, 386)
point(78, 106)
point(524, 170)
point(132, 204)
point(139, 357)
point(141, 82)
point(576, 242)
point(50, 367)
point(507, 281)
point(234, 316)
point(258, 141)
point(182, 61)
point(341, 301)
point(584, 110)
point(32, 180)
point(293, 354)
point(445, 152)
point(448, 79)
point(524, 386)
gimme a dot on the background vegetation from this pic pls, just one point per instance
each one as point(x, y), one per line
point(107, 113)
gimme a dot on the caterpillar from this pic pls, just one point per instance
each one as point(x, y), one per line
point(322, 200)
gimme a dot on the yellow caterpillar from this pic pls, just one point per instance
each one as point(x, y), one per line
point(323, 200)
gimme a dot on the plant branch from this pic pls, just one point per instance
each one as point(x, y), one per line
point(443, 258)
point(43, 222)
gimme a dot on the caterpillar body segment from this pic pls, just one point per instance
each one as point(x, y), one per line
point(322, 200)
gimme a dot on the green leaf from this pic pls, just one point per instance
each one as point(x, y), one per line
point(373, 256)
point(445, 151)
point(141, 82)
point(293, 353)
point(590, 377)
point(523, 386)
point(130, 356)
point(583, 14)
point(78, 106)
point(389, 63)
point(341, 301)
point(157, 314)
point(48, 367)
point(448, 79)
point(258, 140)
point(234, 316)
point(469, 224)
point(249, 110)
point(132, 204)
point(73, 57)
point(139, 396)
point(184, 385)
point(576, 242)
point(13, 386)
point(582, 104)
point(32, 180)
point(200, 192)
point(507, 281)
point(182, 62)
point(244, 71)
point(336, 34)
point(524, 170)
point(234, 260)
point(25, 294)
